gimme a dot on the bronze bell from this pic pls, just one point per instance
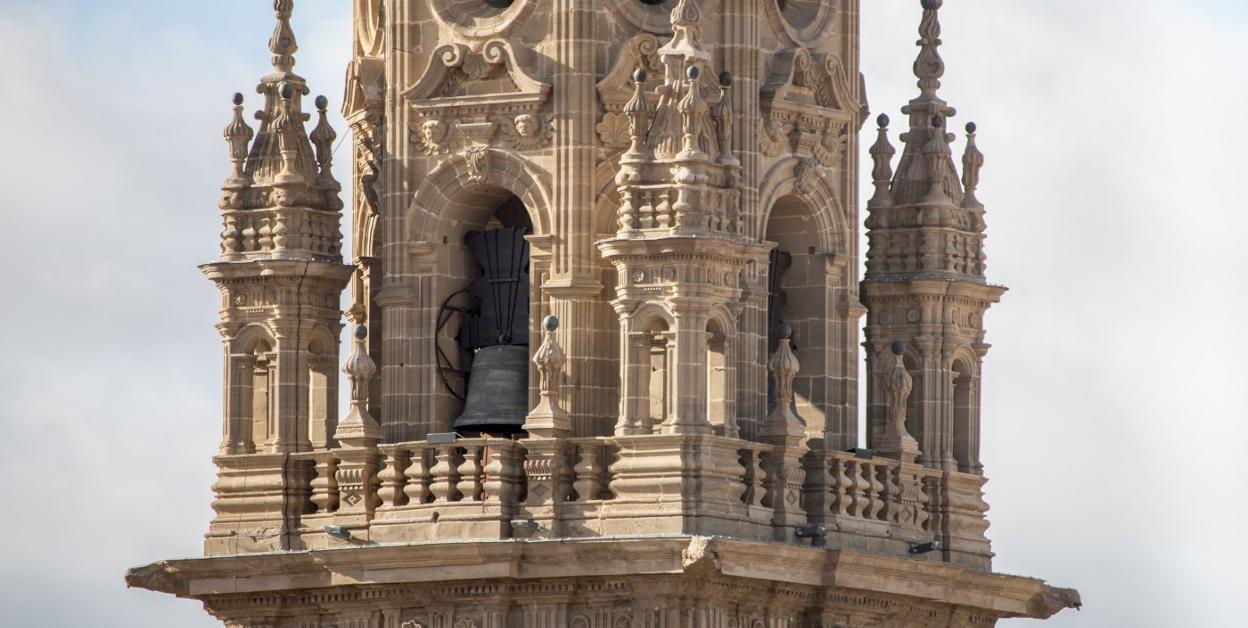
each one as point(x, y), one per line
point(497, 400)
point(498, 392)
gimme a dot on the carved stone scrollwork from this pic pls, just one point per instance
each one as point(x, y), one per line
point(477, 84)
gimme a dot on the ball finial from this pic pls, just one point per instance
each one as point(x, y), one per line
point(785, 331)
point(725, 78)
point(639, 75)
point(238, 99)
point(971, 128)
point(361, 332)
point(322, 103)
point(883, 120)
point(937, 122)
point(899, 347)
point(932, 5)
point(693, 73)
point(550, 323)
point(287, 92)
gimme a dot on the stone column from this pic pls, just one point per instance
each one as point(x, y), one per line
point(689, 383)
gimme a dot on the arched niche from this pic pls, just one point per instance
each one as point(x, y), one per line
point(965, 412)
point(802, 289)
point(487, 190)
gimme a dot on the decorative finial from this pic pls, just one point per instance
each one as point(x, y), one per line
point(929, 67)
point(692, 72)
point(285, 125)
point(359, 427)
point(896, 442)
point(882, 153)
point(784, 423)
point(323, 137)
point(549, 419)
point(283, 44)
point(938, 155)
point(972, 163)
point(238, 135)
point(692, 109)
point(637, 109)
point(724, 120)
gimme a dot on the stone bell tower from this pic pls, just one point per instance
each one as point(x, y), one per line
point(649, 208)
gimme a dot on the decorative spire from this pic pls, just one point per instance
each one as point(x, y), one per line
point(359, 427)
point(686, 20)
point(549, 419)
point(638, 111)
point(972, 163)
point(283, 44)
point(723, 120)
point(882, 153)
point(286, 126)
point(692, 108)
point(938, 156)
point(929, 67)
point(323, 137)
point(783, 422)
point(896, 442)
point(239, 136)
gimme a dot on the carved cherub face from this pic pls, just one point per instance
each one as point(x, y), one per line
point(434, 131)
point(526, 125)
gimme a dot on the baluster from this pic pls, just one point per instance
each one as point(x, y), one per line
point(417, 473)
point(491, 474)
point(843, 483)
point(445, 478)
point(877, 489)
point(891, 497)
point(325, 484)
point(392, 479)
point(470, 486)
point(861, 486)
point(588, 470)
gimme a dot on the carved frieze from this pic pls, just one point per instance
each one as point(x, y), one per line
point(477, 84)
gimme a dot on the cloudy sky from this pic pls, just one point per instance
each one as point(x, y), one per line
point(1111, 433)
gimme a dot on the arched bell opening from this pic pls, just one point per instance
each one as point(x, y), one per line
point(262, 367)
point(965, 417)
point(916, 421)
point(800, 289)
point(720, 380)
point(322, 391)
point(484, 322)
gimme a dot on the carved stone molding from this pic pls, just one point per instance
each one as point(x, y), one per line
point(478, 20)
point(477, 84)
point(802, 84)
point(802, 22)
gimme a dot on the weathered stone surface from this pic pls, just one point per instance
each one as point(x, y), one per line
point(686, 174)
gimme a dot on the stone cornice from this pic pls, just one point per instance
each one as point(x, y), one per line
point(801, 567)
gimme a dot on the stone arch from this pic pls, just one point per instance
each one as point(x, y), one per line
point(793, 176)
point(809, 284)
point(964, 409)
point(481, 188)
point(248, 338)
point(460, 181)
point(322, 374)
point(721, 375)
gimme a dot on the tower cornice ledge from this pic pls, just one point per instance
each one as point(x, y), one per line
point(823, 574)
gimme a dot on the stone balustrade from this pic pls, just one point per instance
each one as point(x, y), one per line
point(287, 231)
point(491, 489)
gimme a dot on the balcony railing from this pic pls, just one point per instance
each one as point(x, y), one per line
point(492, 489)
